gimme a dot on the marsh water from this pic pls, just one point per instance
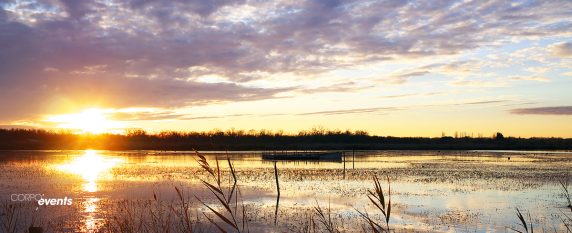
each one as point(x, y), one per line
point(431, 191)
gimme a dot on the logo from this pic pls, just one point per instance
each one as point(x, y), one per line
point(26, 197)
point(55, 201)
point(39, 198)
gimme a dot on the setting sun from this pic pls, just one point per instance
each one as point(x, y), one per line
point(91, 120)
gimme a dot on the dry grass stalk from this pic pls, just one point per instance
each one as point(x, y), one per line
point(523, 223)
point(326, 218)
point(183, 212)
point(231, 212)
point(10, 217)
point(378, 198)
point(308, 226)
point(564, 185)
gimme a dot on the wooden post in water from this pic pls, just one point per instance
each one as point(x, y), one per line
point(353, 159)
point(277, 197)
point(344, 159)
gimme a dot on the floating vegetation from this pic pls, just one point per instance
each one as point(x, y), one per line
point(156, 191)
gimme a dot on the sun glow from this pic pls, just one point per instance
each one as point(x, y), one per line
point(91, 167)
point(91, 120)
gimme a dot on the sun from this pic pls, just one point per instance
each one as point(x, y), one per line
point(91, 120)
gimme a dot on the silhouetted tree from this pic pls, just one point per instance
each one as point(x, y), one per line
point(317, 138)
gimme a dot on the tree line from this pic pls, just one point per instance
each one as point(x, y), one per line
point(314, 139)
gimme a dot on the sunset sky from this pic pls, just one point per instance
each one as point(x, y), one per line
point(400, 68)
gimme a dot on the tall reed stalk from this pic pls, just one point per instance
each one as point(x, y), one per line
point(10, 216)
point(325, 217)
point(564, 186)
point(378, 198)
point(233, 215)
point(523, 223)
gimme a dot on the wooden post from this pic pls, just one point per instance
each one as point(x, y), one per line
point(278, 196)
point(276, 176)
point(353, 159)
point(344, 159)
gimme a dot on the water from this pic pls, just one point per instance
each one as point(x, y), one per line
point(433, 191)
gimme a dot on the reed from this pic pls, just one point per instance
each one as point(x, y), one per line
point(523, 223)
point(148, 217)
point(565, 218)
point(186, 220)
point(18, 217)
point(232, 214)
point(10, 216)
point(378, 199)
point(564, 186)
point(125, 220)
point(154, 216)
point(307, 226)
point(325, 218)
point(567, 221)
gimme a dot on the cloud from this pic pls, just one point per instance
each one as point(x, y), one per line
point(147, 52)
point(496, 82)
point(562, 49)
point(457, 67)
point(144, 115)
point(412, 74)
point(477, 83)
point(403, 77)
point(529, 78)
point(213, 117)
point(340, 87)
point(412, 95)
point(483, 102)
point(462, 103)
point(350, 111)
point(556, 110)
point(115, 92)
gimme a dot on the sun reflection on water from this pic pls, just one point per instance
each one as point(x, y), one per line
point(91, 167)
point(91, 220)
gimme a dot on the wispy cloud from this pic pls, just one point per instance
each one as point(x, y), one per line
point(403, 77)
point(144, 115)
point(400, 108)
point(339, 87)
point(453, 68)
point(171, 115)
point(351, 111)
point(556, 110)
point(412, 95)
point(529, 78)
point(482, 102)
point(477, 83)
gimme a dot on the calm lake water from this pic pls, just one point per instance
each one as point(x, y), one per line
point(431, 191)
